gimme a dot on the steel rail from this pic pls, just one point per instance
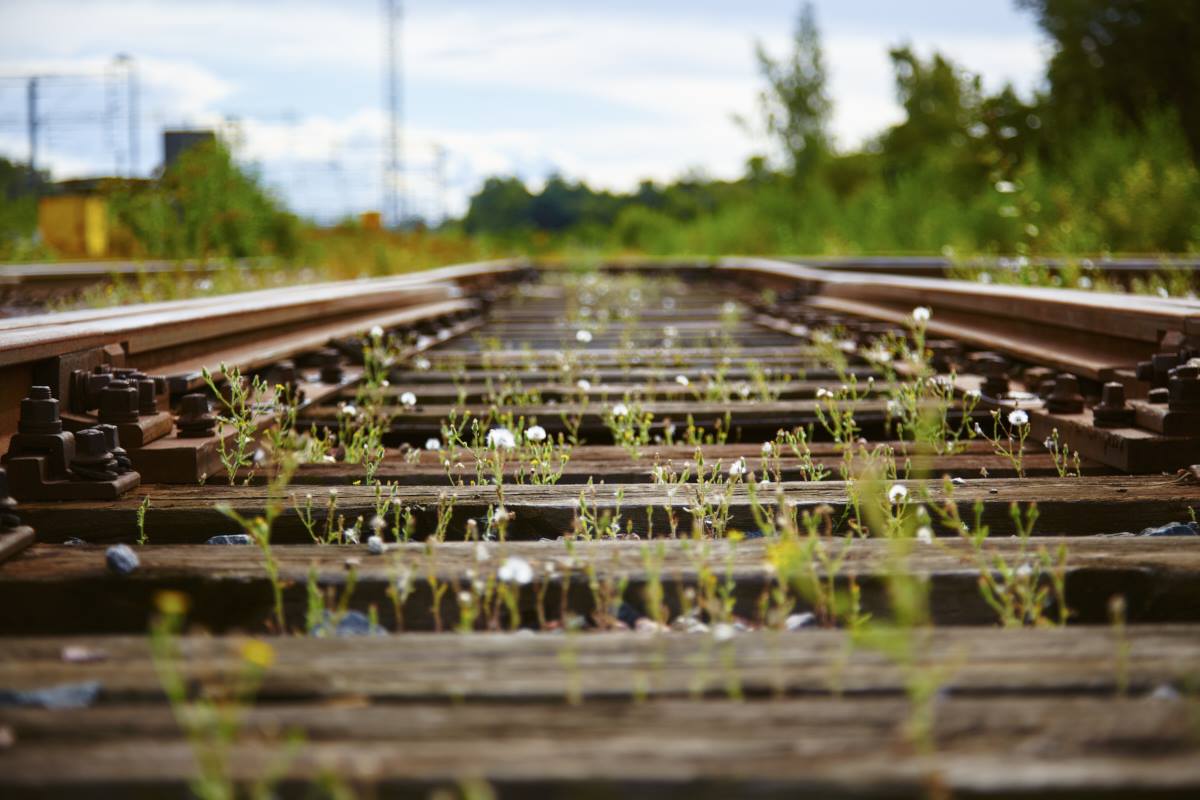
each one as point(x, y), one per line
point(1094, 334)
point(154, 326)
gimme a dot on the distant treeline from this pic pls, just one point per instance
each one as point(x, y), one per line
point(1105, 159)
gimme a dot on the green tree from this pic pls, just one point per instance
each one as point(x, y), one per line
point(19, 189)
point(1134, 56)
point(795, 104)
point(501, 206)
point(206, 205)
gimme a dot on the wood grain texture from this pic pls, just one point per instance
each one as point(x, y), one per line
point(182, 514)
point(69, 589)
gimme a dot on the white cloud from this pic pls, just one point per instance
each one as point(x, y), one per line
point(617, 93)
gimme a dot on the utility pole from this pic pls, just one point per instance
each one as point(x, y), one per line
point(393, 190)
point(32, 110)
point(131, 91)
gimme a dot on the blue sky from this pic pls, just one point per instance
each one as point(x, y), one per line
point(610, 92)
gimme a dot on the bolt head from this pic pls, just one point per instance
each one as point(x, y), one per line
point(91, 443)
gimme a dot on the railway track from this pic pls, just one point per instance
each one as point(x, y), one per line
point(28, 288)
point(688, 530)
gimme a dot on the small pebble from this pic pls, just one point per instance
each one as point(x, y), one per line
point(231, 538)
point(375, 546)
point(958, 481)
point(795, 622)
point(63, 695)
point(78, 654)
point(647, 625)
point(121, 559)
point(1173, 529)
point(628, 614)
point(354, 623)
point(74, 541)
point(1165, 691)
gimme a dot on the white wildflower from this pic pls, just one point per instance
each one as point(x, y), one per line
point(376, 332)
point(584, 336)
point(408, 399)
point(501, 438)
point(500, 515)
point(422, 363)
point(823, 392)
point(1024, 571)
point(682, 380)
point(535, 433)
point(481, 552)
point(584, 384)
point(620, 410)
point(925, 534)
point(464, 598)
point(897, 493)
point(768, 448)
point(515, 570)
point(351, 535)
point(1017, 417)
point(377, 523)
point(921, 314)
point(350, 410)
point(433, 443)
point(737, 468)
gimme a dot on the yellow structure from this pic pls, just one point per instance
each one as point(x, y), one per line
point(371, 220)
point(75, 225)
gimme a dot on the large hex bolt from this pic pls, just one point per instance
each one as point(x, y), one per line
point(195, 420)
point(112, 439)
point(93, 461)
point(284, 373)
point(944, 352)
point(100, 377)
point(1065, 397)
point(8, 506)
point(994, 369)
point(330, 361)
point(39, 412)
point(147, 397)
point(118, 403)
point(1157, 370)
point(1113, 411)
point(1183, 387)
